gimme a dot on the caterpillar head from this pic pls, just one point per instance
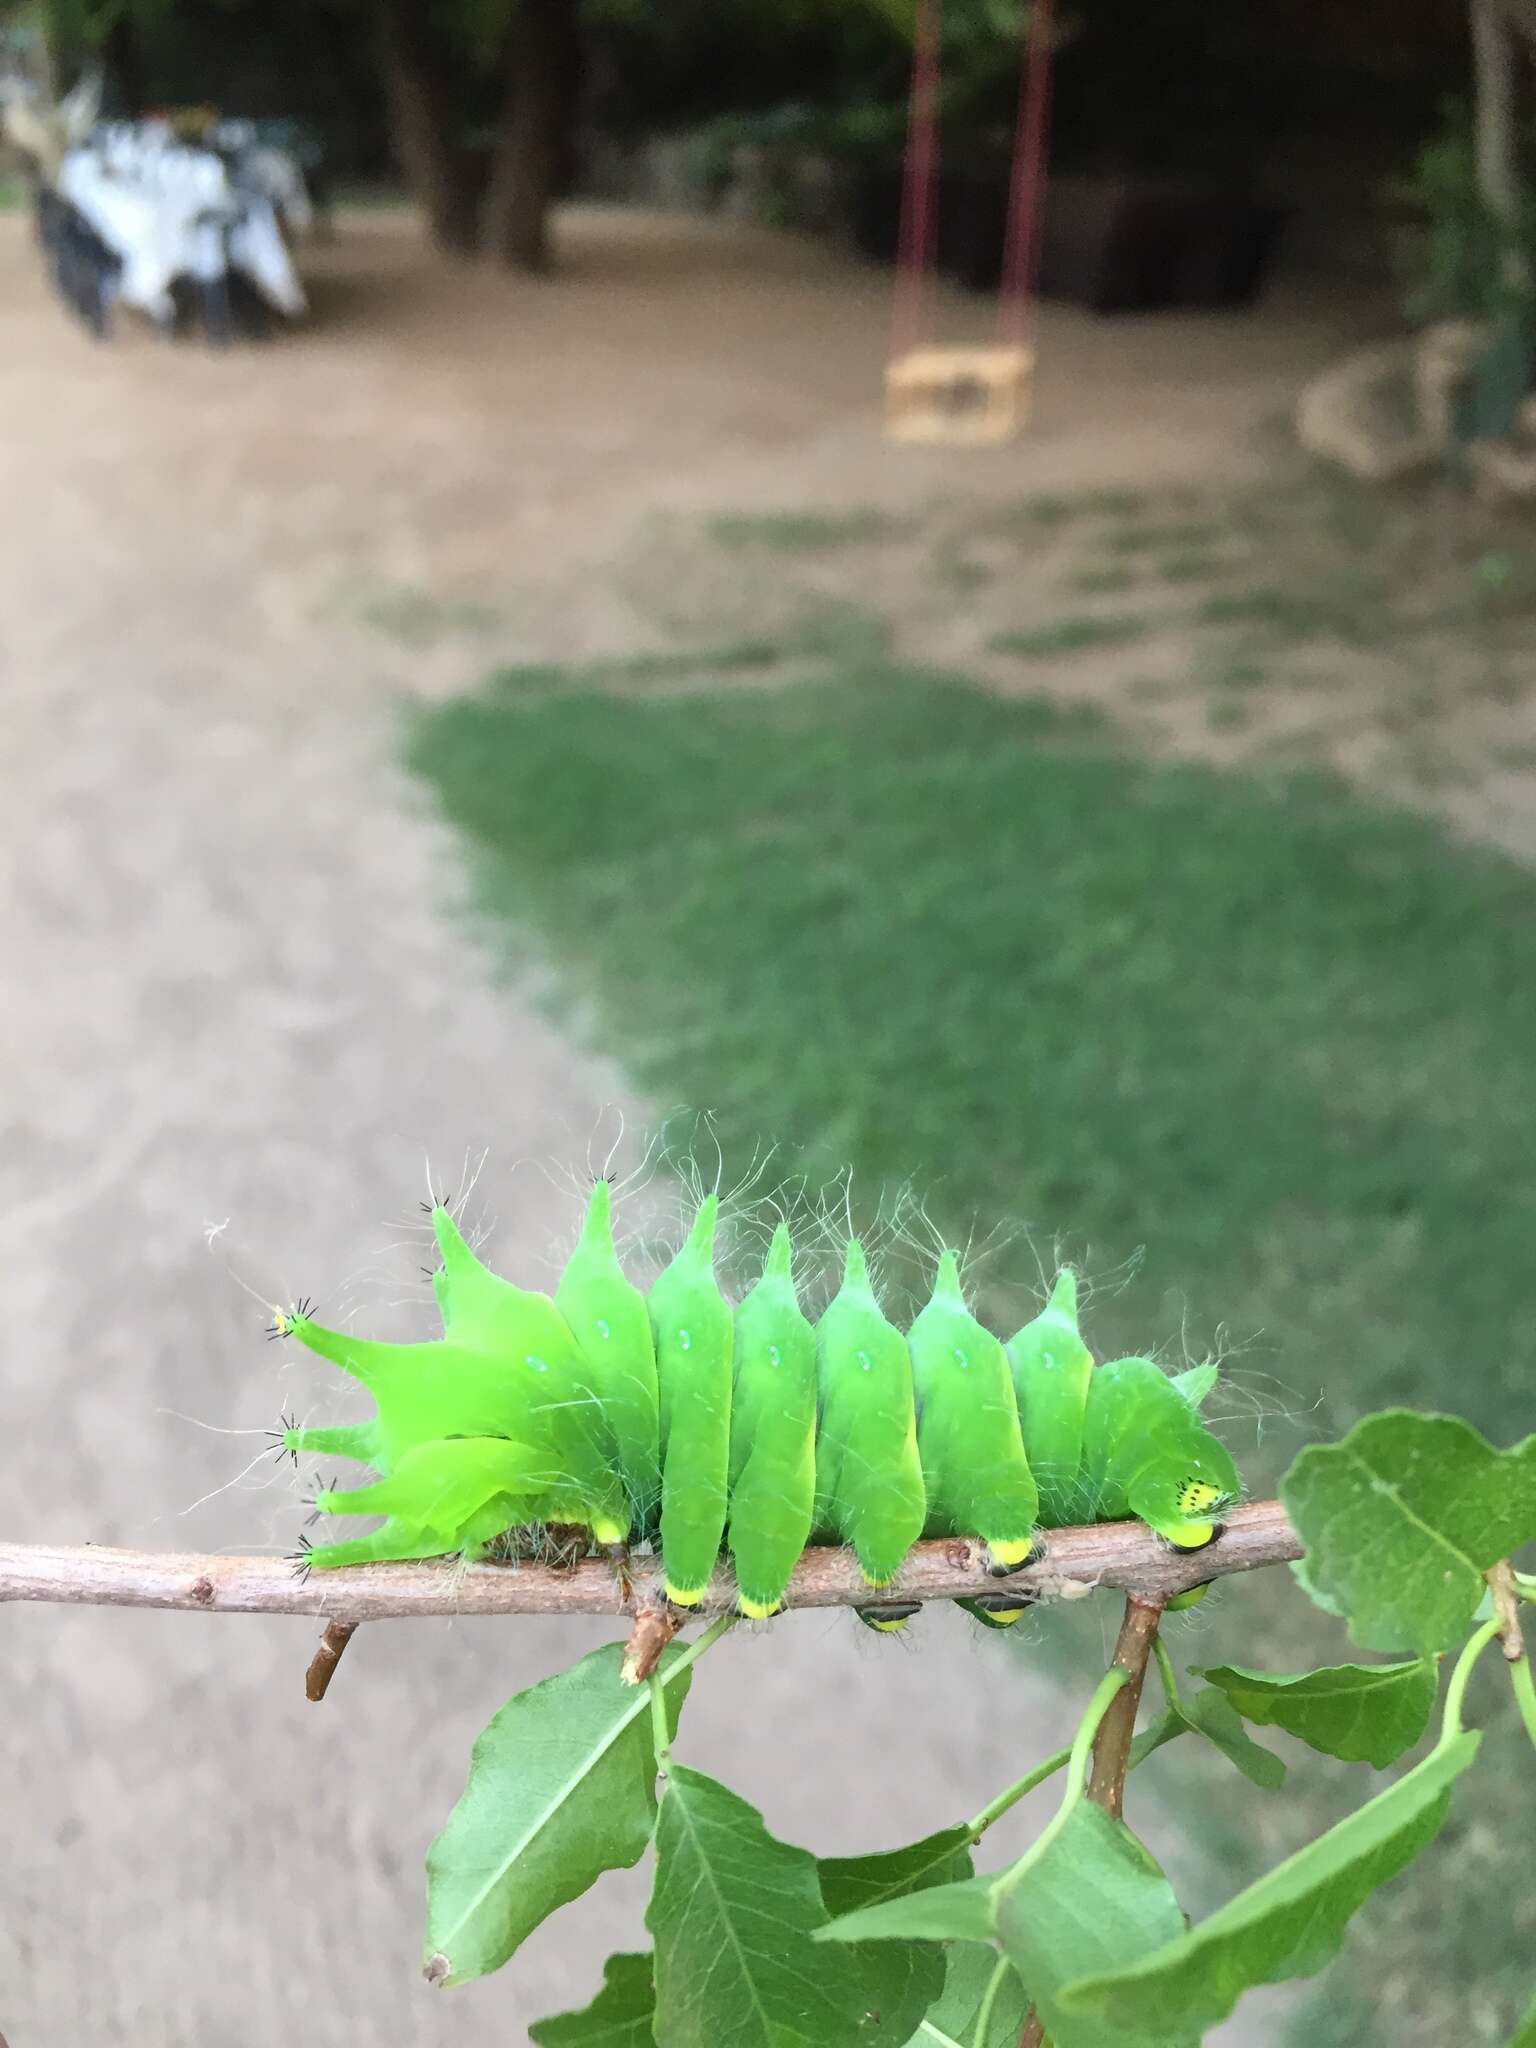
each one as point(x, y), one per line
point(1186, 1499)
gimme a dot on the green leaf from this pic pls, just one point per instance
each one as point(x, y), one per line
point(1524, 2035)
point(952, 2021)
point(949, 1912)
point(1401, 1519)
point(1361, 1713)
point(1212, 1714)
point(1292, 1921)
point(733, 1914)
point(619, 2017)
point(1095, 1901)
point(562, 1786)
point(902, 1982)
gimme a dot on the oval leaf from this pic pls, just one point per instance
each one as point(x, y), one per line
point(1401, 1518)
point(733, 1913)
point(1095, 1900)
point(1360, 1713)
point(1292, 1921)
point(619, 2017)
point(562, 1786)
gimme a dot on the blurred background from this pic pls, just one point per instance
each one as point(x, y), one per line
point(477, 676)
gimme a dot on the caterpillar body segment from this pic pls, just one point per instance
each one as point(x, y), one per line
point(977, 1476)
point(1052, 1368)
point(889, 1617)
point(773, 1435)
point(1196, 1382)
point(869, 1479)
point(693, 1330)
point(709, 1429)
point(608, 1317)
point(1147, 1454)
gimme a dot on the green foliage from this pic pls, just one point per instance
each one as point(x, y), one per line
point(732, 1915)
point(1360, 1713)
point(1402, 1518)
point(561, 1788)
point(1069, 636)
point(1291, 1922)
point(621, 2015)
point(1211, 1714)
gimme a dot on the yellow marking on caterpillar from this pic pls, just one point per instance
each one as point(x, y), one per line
point(679, 1598)
point(1189, 1535)
point(758, 1610)
point(1005, 1617)
point(1196, 1496)
point(1011, 1555)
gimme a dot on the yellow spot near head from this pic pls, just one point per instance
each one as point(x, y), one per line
point(1197, 1497)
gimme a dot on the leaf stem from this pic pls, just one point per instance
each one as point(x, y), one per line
point(995, 1983)
point(1077, 1777)
point(660, 1680)
point(1456, 1691)
point(1006, 1800)
point(1168, 1676)
point(1525, 1693)
point(661, 1741)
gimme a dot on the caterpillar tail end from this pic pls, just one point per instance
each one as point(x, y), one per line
point(684, 1596)
point(890, 1617)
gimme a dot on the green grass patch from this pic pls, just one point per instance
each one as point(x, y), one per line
point(1069, 636)
point(1193, 568)
point(1353, 608)
point(806, 533)
point(1100, 582)
point(1282, 1038)
point(1187, 534)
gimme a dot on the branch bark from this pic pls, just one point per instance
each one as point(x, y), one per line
point(1112, 1744)
point(1124, 1555)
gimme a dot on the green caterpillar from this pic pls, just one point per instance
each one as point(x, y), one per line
point(676, 1420)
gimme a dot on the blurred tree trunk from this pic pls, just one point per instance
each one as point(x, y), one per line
point(534, 141)
point(122, 58)
point(422, 121)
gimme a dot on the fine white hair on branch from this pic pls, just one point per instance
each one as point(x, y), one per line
point(1124, 1555)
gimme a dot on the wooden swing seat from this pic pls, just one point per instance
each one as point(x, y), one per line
point(958, 397)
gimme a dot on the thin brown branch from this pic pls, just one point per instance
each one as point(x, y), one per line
point(322, 1666)
point(1112, 1744)
point(1124, 1555)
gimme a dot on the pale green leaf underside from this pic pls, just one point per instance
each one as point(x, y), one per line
point(951, 2023)
point(562, 1786)
point(1292, 1921)
point(1211, 1714)
point(1096, 1900)
point(948, 1912)
point(904, 1979)
point(1360, 1713)
point(1400, 1520)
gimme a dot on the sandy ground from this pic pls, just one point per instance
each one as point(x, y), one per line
point(239, 1013)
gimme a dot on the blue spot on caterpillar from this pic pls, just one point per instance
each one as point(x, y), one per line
point(675, 1420)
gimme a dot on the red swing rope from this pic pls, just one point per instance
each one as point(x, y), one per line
point(919, 183)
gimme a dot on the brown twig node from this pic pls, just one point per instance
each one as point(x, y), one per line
point(322, 1666)
point(1506, 1608)
point(655, 1626)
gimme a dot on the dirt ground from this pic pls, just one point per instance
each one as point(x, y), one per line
point(240, 1012)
